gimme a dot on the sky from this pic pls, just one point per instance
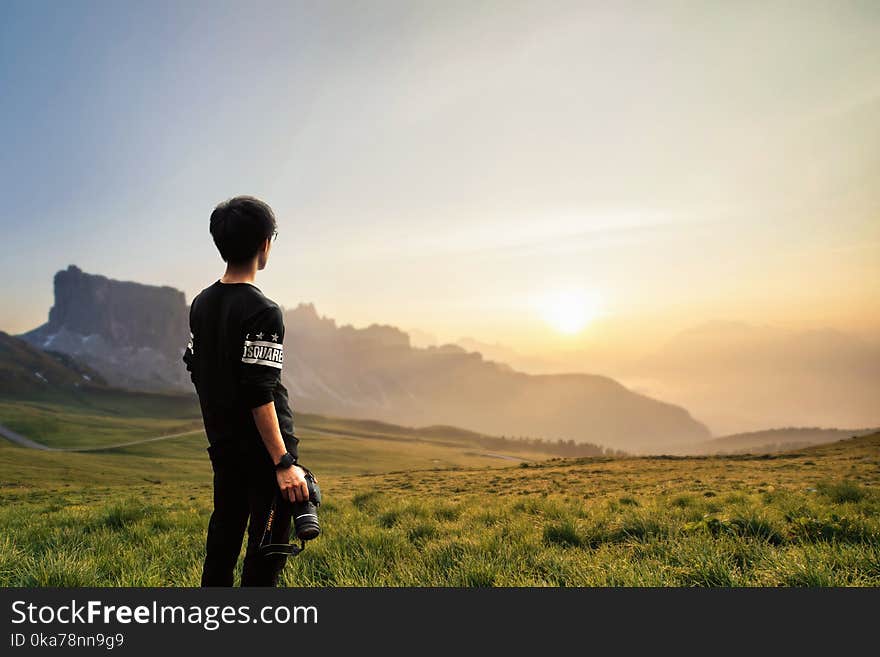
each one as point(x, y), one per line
point(539, 174)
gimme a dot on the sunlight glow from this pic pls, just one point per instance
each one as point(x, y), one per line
point(570, 311)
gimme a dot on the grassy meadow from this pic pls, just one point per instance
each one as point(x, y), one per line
point(431, 508)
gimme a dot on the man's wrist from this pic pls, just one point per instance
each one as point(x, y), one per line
point(287, 460)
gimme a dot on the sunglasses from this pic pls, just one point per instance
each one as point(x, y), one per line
point(274, 235)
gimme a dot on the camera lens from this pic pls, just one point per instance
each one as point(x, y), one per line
point(305, 521)
point(305, 514)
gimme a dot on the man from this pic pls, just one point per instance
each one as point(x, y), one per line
point(234, 356)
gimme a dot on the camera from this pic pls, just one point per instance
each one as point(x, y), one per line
point(305, 521)
point(305, 514)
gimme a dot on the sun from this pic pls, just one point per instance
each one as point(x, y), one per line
point(570, 311)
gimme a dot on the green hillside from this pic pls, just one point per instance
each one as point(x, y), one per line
point(101, 419)
point(774, 440)
point(137, 517)
point(25, 370)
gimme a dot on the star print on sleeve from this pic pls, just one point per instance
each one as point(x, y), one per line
point(263, 339)
point(261, 360)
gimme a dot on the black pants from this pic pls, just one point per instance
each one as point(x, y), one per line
point(244, 487)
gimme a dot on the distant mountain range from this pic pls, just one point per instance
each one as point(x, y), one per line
point(744, 377)
point(134, 335)
point(772, 440)
point(518, 361)
point(375, 372)
point(736, 377)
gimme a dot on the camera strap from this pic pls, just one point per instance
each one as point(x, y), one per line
point(267, 548)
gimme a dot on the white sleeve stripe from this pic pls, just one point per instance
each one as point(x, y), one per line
point(260, 361)
point(258, 352)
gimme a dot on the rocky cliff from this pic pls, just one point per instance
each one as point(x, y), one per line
point(133, 334)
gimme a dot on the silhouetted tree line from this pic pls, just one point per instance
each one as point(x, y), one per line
point(558, 447)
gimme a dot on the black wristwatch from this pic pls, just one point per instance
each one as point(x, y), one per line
point(286, 461)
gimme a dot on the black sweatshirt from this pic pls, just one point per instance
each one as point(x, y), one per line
point(234, 357)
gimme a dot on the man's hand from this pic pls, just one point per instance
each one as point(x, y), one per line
point(292, 482)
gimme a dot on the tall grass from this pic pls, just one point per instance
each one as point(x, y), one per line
point(154, 538)
point(98, 520)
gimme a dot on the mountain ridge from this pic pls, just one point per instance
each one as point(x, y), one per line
point(134, 335)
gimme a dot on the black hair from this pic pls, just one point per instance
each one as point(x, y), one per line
point(239, 227)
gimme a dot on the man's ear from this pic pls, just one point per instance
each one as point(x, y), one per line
point(263, 255)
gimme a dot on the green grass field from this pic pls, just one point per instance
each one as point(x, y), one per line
point(404, 508)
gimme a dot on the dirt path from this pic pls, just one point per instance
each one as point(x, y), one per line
point(23, 441)
point(18, 439)
point(506, 457)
